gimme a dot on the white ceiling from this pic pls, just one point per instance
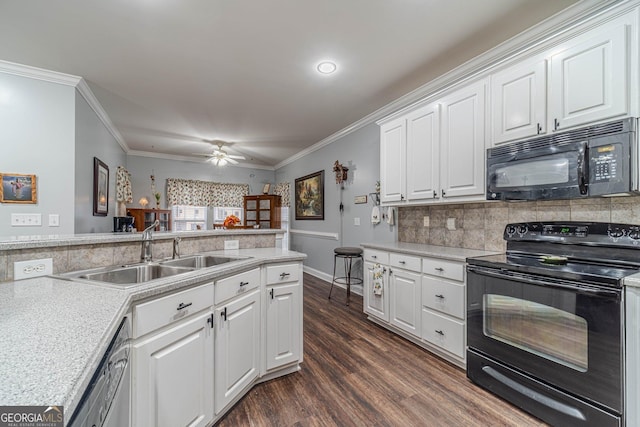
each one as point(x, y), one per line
point(172, 73)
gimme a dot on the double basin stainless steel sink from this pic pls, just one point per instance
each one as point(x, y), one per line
point(124, 276)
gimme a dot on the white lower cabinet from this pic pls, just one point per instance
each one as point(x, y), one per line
point(404, 287)
point(174, 375)
point(237, 347)
point(282, 329)
point(422, 297)
point(196, 351)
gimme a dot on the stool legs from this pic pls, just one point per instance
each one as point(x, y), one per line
point(333, 280)
point(346, 279)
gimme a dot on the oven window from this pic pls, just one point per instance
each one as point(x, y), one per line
point(546, 331)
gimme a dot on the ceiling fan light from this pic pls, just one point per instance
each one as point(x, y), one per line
point(326, 67)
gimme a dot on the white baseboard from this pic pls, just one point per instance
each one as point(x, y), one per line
point(356, 289)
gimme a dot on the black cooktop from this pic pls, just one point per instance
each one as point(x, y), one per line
point(556, 267)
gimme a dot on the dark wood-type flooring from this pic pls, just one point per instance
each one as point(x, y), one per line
point(356, 373)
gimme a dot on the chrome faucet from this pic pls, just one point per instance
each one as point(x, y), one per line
point(176, 247)
point(147, 238)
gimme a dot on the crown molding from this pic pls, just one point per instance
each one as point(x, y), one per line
point(194, 160)
point(83, 88)
point(38, 73)
point(68, 80)
point(527, 40)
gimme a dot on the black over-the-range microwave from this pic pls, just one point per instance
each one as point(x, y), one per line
point(599, 160)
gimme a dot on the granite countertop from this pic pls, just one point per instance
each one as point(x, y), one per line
point(55, 331)
point(48, 241)
point(632, 281)
point(442, 252)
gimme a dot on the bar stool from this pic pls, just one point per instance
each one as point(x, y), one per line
point(347, 254)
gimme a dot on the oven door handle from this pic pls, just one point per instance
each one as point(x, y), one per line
point(553, 283)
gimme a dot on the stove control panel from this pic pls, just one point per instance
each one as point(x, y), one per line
point(573, 232)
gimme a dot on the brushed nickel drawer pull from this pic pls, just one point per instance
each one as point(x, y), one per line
point(182, 306)
point(243, 284)
point(402, 262)
point(440, 269)
point(440, 296)
point(439, 332)
point(283, 275)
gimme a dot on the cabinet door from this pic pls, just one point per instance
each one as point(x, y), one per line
point(392, 161)
point(173, 376)
point(518, 102)
point(284, 321)
point(589, 80)
point(237, 347)
point(423, 159)
point(405, 300)
point(463, 142)
point(376, 305)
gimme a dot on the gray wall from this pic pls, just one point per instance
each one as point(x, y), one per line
point(93, 139)
point(141, 169)
point(360, 152)
point(37, 134)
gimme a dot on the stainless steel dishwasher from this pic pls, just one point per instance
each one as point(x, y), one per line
point(106, 402)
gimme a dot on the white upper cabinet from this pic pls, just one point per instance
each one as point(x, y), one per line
point(463, 142)
point(423, 148)
point(581, 81)
point(392, 161)
point(589, 77)
point(519, 101)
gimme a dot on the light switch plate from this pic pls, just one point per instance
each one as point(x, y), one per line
point(32, 268)
point(451, 223)
point(356, 221)
point(54, 220)
point(26, 220)
point(425, 221)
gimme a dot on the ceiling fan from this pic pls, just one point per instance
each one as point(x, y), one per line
point(220, 157)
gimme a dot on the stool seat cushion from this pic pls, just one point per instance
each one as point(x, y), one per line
point(348, 251)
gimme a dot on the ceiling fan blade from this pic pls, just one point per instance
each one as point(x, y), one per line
point(230, 160)
point(235, 156)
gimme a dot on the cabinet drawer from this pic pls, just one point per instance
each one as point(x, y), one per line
point(441, 268)
point(284, 273)
point(155, 314)
point(446, 297)
point(373, 255)
point(445, 333)
point(236, 285)
point(406, 262)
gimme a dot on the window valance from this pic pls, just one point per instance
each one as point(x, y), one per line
point(204, 193)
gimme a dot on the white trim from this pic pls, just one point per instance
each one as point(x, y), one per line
point(38, 73)
point(355, 289)
point(318, 234)
point(529, 39)
point(95, 105)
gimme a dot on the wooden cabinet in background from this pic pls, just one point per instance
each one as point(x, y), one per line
point(262, 210)
point(145, 217)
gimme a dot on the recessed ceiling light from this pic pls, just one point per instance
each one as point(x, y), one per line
point(326, 67)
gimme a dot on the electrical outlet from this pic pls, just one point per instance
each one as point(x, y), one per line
point(54, 220)
point(451, 223)
point(356, 221)
point(32, 268)
point(26, 220)
point(425, 221)
point(231, 244)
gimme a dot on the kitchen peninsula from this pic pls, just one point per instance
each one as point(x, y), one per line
point(56, 330)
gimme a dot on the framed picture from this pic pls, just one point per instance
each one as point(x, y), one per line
point(266, 189)
point(309, 196)
point(100, 188)
point(17, 188)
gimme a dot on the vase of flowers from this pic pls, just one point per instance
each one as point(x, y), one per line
point(231, 221)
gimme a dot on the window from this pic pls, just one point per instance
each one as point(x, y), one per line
point(188, 218)
point(220, 213)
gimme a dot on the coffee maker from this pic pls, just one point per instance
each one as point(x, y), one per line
point(123, 223)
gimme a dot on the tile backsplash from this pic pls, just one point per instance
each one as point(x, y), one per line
point(480, 225)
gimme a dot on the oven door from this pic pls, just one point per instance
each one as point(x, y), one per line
point(566, 334)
